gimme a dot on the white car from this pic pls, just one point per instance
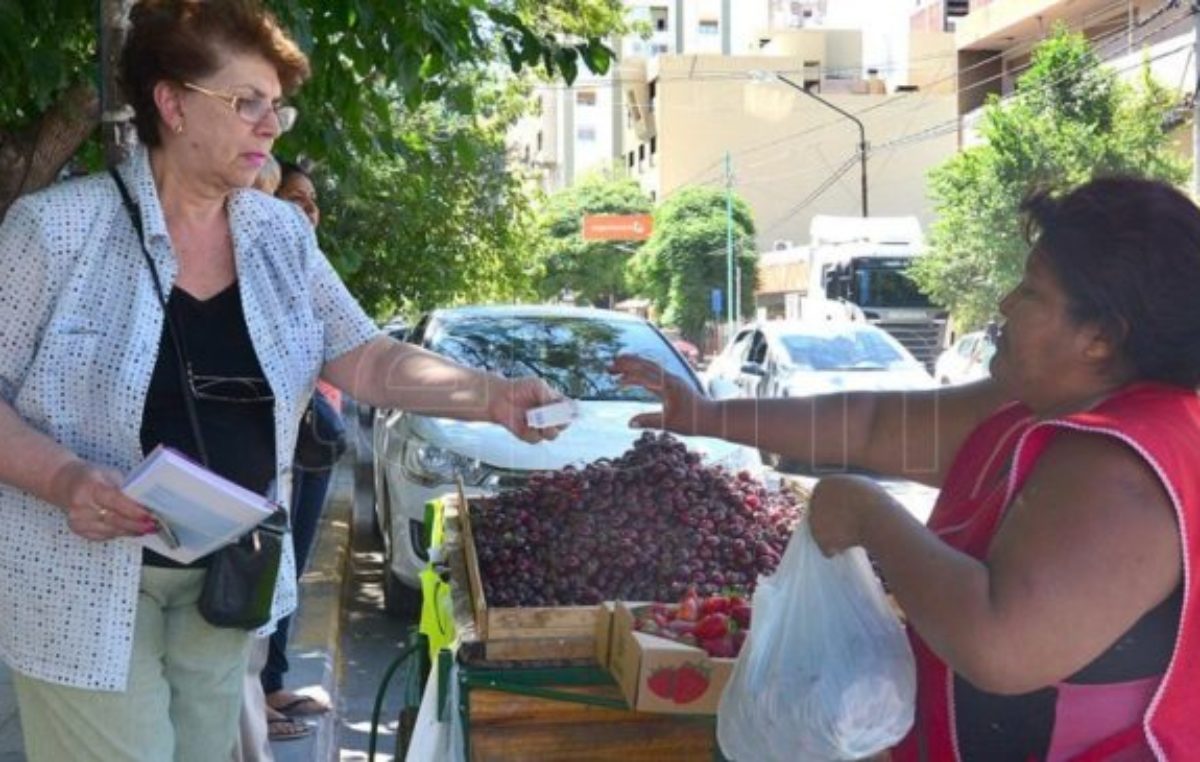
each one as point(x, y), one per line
point(780, 358)
point(967, 360)
point(795, 358)
point(417, 458)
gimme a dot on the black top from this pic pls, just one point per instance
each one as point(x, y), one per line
point(1021, 727)
point(234, 402)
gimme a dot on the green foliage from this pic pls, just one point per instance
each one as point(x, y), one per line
point(593, 270)
point(685, 258)
point(45, 47)
point(375, 61)
point(1071, 120)
point(441, 221)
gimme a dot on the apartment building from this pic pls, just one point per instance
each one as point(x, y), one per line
point(670, 119)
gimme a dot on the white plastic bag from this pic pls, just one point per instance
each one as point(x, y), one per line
point(827, 672)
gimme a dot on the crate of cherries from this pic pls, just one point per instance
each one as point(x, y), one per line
point(718, 624)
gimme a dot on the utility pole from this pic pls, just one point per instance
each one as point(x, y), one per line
point(729, 241)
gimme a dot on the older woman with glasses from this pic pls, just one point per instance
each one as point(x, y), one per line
point(112, 657)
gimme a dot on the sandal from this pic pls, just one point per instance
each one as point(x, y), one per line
point(287, 729)
point(299, 705)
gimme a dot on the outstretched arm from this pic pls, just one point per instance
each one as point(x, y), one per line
point(909, 434)
point(392, 374)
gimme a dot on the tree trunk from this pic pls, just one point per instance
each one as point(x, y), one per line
point(32, 158)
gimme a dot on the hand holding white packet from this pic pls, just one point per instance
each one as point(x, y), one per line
point(555, 414)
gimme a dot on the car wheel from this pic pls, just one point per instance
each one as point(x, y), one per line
point(399, 600)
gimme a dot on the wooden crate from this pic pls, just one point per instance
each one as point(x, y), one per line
point(560, 634)
point(510, 727)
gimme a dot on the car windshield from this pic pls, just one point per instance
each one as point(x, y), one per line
point(883, 285)
point(571, 353)
point(850, 350)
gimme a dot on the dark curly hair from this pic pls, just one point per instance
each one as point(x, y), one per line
point(1127, 253)
point(184, 40)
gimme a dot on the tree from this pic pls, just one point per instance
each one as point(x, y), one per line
point(685, 258)
point(1071, 120)
point(594, 270)
point(440, 221)
point(367, 56)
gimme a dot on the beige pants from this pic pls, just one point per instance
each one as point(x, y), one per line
point(182, 699)
point(254, 740)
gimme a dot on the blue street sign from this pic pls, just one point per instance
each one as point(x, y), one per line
point(716, 301)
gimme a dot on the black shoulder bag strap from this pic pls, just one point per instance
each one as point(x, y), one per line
point(136, 218)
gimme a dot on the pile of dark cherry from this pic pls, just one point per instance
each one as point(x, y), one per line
point(646, 526)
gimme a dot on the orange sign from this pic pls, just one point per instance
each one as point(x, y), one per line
point(616, 227)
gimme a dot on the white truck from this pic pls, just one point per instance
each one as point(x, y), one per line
point(862, 262)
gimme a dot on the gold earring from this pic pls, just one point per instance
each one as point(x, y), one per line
point(178, 128)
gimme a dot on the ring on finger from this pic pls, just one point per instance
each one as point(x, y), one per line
point(102, 512)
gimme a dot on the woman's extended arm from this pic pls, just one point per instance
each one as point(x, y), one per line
point(392, 374)
point(908, 434)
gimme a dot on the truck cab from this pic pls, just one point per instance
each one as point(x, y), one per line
point(864, 262)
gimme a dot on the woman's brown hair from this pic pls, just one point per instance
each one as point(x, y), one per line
point(184, 40)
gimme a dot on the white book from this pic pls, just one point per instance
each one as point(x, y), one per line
point(203, 510)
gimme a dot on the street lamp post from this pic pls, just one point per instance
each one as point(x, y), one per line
point(862, 132)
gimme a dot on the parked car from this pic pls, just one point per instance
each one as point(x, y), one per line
point(418, 458)
point(967, 360)
point(796, 358)
point(793, 358)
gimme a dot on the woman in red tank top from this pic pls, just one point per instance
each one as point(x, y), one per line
point(1049, 597)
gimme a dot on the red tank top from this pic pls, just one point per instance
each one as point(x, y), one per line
point(1162, 424)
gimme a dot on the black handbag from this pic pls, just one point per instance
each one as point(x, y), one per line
point(322, 440)
point(239, 583)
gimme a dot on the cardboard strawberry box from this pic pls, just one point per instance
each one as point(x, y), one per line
point(660, 675)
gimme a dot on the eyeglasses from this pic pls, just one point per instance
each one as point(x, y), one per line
point(236, 389)
point(252, 109)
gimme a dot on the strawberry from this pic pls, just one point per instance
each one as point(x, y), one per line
point(716, 604)
point(690, 684)
point(712, 626)
point(741, 615)
point(737, 599)
point(662, 683)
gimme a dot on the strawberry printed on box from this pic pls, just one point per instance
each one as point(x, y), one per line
point(657, 674)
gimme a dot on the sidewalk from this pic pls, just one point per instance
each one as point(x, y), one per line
point(314, 640)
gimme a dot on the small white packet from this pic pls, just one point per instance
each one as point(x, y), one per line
point(555, 414)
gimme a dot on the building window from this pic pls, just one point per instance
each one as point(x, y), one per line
point(632, 159)
point(539, 141)
point(710, 26)
point(653, 145)
point(642, 152)
point(585, 98)
point(660, 49)
point(586, 134)
point(658, 17)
